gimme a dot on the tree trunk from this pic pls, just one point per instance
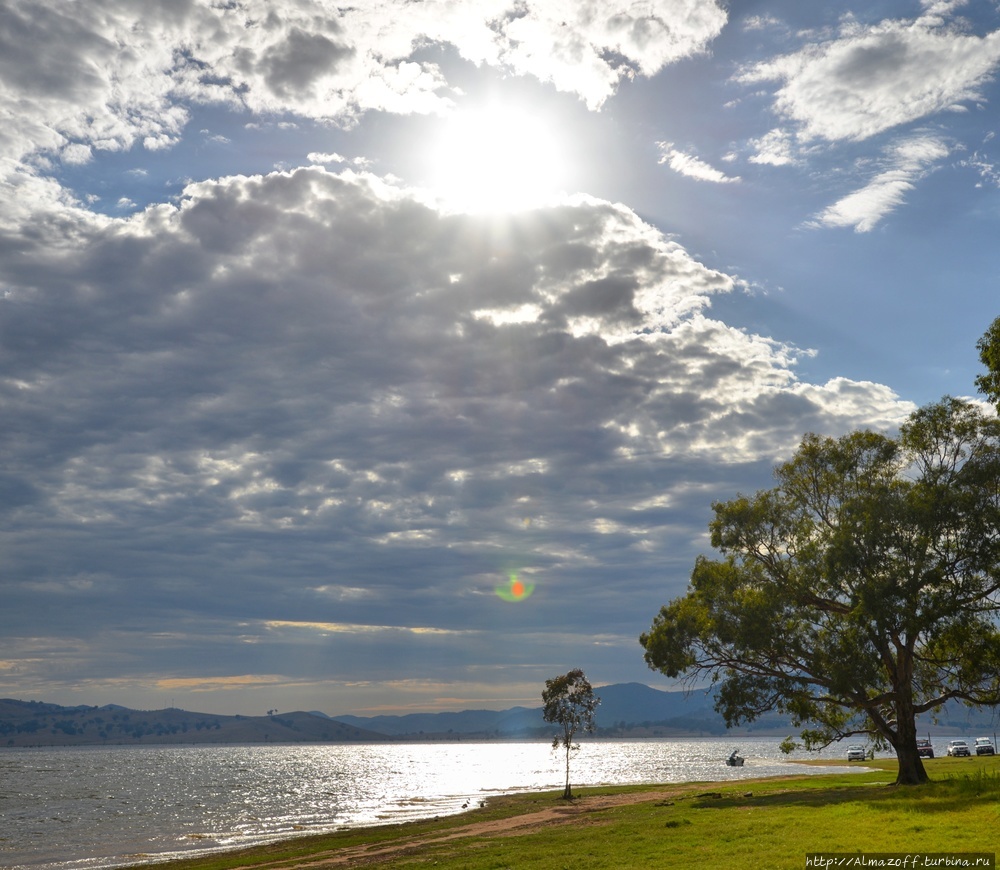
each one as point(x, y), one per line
point(911, 767)
point(567, 793)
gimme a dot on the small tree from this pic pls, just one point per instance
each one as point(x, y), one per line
point(860, 592)
point(569, 702)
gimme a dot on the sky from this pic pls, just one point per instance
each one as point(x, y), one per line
point(389, 357)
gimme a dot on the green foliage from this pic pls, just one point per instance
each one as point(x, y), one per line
point(570, 703)
point(857, 593)
point(788, 745)
point(989, 353)
point(978, 783)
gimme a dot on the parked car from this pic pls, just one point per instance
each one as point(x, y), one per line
point(958, 747)
point(855, 752)
point(924, 749)
point(984, 746)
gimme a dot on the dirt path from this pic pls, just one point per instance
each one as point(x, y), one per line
point(557, 814)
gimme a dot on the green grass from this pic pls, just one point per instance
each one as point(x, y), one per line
point(770, 823)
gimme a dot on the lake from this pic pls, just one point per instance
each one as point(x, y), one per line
point(102, 807)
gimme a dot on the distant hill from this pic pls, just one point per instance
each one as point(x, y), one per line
point(957, 719)
point(626, 710)
point(633, 710)
point(33, 723)
point(515, 721)
point(636, 703)
point(630, 709)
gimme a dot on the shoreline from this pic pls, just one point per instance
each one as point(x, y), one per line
point(382, 842)
point(772, 821)
point(512, 814)
point(275, 797)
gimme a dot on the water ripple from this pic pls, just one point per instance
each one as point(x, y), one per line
point(92, 808)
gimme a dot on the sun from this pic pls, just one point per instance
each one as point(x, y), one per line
point(497, 158)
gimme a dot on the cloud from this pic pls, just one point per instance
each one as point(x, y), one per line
point(320, 157)
point(872, 78)
point(908, 162)
point(763, 22)
point(692, 167)
point(86, 77)
point(983, 164)
point(326, 628)
point(83, 78)
point(221, 411)
point(294, 429)
point(775, 148)
point(589, 47)
point(238, 682)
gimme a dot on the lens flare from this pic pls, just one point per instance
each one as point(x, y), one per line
point(515, 589)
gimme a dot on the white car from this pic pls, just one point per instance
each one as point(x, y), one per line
point(856, 752)
point(957, 748)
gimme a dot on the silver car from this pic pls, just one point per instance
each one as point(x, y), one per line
point(958, 747)
point(856, 752)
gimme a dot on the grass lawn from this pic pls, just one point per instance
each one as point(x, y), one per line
point(759, 824)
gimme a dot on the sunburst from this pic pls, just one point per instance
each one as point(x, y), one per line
point(497, 158)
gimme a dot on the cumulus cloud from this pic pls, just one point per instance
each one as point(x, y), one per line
point(321, 157)
point(872, 78)
point(775, 148)
point(305, 417)
point(86, 76)
point(284, 385)
point(589, 47)
point(112, 76)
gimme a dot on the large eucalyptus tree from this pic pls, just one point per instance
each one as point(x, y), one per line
point(858, 593)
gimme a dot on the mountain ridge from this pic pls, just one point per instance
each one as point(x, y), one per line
point(36, 723)
point(626, 710)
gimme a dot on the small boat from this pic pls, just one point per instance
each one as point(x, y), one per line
point(734, 760)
